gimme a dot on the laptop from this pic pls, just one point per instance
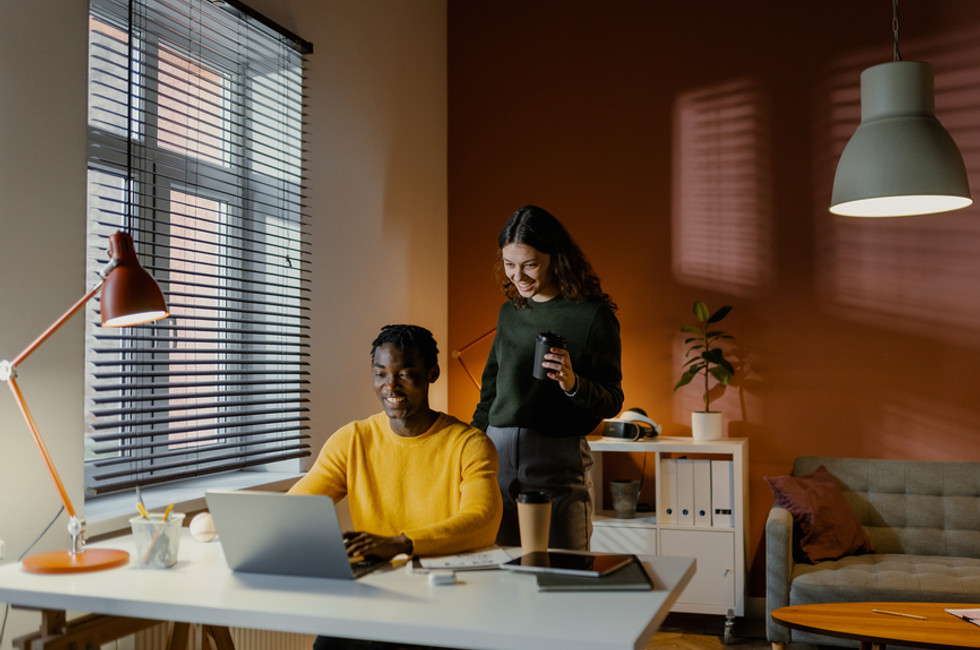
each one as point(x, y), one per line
point(283, 534)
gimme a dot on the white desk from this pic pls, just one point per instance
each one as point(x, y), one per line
point(485, 610)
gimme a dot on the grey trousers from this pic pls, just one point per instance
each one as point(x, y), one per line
point(530, 460)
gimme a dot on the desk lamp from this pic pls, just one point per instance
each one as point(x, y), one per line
point(130, 296)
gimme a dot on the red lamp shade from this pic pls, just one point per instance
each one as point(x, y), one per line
point(130, 295)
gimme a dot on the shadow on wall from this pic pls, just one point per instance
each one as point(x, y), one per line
point(722, 195)
point(934, 427)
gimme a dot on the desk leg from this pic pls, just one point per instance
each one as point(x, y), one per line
point(217, 637)
point(83, 633)
point(179, 636)
point(220, 636)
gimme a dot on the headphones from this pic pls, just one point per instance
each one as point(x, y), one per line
point(633, 424)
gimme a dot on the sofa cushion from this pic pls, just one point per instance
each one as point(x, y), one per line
point(887, 577)
point(827, 523)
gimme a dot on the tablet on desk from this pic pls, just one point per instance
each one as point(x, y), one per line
point(568, 562)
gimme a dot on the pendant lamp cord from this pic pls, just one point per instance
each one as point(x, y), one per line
point(897, 54)
point(128, 219)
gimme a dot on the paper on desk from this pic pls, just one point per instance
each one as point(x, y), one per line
point(971, 615)
point(488, 559)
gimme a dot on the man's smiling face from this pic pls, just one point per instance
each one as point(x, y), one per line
point(401, 382)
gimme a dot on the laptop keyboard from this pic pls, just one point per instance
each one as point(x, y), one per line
point(364, 565)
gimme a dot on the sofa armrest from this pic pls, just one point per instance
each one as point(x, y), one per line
point(779, 568)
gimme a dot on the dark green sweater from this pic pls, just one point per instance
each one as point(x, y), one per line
point(511, 397)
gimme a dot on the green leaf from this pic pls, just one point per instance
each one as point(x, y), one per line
point(721, 313)
point(729, 368)
point(701, 311)
point(713, 355)
point(685, 379)
point(721, 375)
point(691, 329)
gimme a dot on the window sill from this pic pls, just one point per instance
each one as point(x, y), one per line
point(109, 516)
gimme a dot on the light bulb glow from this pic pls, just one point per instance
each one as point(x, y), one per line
point(901, 206)
point(130, 320)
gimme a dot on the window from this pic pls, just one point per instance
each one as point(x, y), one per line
point(195, 149)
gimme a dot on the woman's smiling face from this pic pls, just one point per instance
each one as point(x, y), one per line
point(530, 272)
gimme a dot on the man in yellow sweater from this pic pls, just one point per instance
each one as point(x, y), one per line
point(418, 481)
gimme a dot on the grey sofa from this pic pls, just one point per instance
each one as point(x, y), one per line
point(923, 519)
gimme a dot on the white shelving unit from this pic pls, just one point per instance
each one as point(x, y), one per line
point(718, 586)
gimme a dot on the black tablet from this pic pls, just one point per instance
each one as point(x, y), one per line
point(569, 562)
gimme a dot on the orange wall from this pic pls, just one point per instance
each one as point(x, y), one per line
point(634, 122)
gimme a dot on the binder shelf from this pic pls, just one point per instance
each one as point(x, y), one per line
point(700, 511)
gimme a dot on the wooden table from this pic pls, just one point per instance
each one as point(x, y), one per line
point(858, 621)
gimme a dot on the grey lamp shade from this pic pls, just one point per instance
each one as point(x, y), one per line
point(900, 160)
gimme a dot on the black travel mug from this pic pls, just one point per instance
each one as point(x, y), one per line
point(542, 346)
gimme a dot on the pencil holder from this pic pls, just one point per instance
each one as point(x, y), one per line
point(157, 540)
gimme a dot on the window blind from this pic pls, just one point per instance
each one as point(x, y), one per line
point(195, 149)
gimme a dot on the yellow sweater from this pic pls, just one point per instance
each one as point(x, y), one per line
point(438, 488)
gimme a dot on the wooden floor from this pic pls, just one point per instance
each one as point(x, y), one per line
point(701, 632)
point(681, 641)
point(687, 641)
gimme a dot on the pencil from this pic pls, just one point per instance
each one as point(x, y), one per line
point(885, 611)
point(166, 515)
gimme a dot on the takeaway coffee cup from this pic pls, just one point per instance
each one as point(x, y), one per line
point(542, 346)
point(534, 519)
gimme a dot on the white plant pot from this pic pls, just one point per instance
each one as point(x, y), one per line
point(706, 425)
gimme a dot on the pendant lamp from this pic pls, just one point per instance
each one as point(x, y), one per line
point(900, 160)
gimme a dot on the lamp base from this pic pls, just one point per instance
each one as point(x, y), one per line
point(93, 559)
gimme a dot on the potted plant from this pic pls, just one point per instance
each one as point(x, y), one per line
point(707, 359)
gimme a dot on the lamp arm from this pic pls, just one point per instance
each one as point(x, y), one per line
point(458, 354)
point(54, 327)
point(41, 447)
point(8, 373)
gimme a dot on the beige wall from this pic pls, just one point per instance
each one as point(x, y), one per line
point(861, 338)
point(42, 265)
point(377, 203)
point(42, 247)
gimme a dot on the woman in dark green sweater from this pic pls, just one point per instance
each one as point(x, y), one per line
point(539, 426)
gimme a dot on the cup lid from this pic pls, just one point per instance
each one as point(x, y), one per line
point(534, 496)
point(552, 339)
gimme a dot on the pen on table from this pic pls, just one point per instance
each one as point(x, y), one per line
point(885, 611)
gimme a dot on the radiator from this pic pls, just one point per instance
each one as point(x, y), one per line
point(155, 638)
